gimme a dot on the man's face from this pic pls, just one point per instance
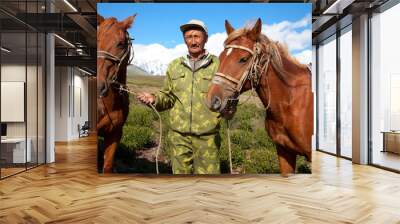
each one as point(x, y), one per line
point(195, 40)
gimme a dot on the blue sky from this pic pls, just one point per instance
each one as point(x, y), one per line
point(159, 22)
point(158, 39)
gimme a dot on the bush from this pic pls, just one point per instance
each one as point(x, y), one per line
point(262, 161)
point(141, 116)
point(302, 165)
point(262, 139)
point(136, 137)
point(242, 138)
point(245, 116)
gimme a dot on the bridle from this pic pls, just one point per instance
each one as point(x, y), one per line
point(117, 61)
point(258, 65)
point(112, 80)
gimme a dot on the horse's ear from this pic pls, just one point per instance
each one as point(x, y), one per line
point(128, 21)
point(228, 27)
point(255, 32)
point(100, 19)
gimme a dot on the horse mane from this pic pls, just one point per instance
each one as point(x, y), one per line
point(276, 50)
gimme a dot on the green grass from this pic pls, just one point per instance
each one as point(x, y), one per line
point(146, 80)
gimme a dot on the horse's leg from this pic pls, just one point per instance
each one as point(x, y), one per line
point(110, 119)
point(286, 157)
point(105, 120)
point(287, 161)
point(111, 144)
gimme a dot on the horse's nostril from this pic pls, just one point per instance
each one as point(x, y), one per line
point(216, 103)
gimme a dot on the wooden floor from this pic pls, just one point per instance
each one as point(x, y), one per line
point(10, 171)
point(387, 159)
point(71, 191)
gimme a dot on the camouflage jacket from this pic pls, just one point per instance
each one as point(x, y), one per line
point(184, 92)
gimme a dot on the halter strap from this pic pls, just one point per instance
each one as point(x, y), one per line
point(107, 55)
point(112, 79)
point(238, 84)
point(257, 66)
point(240, 47)
point(230, 78)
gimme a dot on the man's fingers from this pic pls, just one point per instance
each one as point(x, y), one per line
point(146, 98)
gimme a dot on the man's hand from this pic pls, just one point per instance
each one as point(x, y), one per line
point(146, 98)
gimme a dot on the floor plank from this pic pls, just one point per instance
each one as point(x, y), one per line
point(71, 191)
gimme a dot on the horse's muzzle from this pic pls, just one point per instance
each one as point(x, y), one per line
point(229, 108)
point(216, 103)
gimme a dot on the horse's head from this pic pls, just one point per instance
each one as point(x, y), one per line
point(236, 72)
point(113, 51)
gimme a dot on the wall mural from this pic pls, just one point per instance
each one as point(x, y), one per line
point(181, 91)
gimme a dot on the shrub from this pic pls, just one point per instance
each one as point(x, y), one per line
point(141, 116)
point(242, 138)
point(262, 139)
point(262, 161)
point(244, 116)
point(302, 165)
point(136, 137)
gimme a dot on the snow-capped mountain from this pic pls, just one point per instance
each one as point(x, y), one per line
point(134, 70)
point(153, 67)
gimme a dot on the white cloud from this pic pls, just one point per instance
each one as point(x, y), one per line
point(296, 35)
point(288, 33)
point(215, 44)
point(158, 52)
point(304, 56)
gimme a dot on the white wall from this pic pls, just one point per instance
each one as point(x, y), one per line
point(15, 73)
point(33, 126)
point(71, 94)
point(62, 81)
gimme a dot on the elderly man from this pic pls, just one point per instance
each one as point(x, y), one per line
point(194, 137)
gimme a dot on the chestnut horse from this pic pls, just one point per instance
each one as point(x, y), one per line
point(251, 61)
point(113, 55)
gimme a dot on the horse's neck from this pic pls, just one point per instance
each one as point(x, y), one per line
point(294, 74)
point(275, 89)
point(272, 89)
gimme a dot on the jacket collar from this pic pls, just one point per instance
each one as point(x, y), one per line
point(204, 61)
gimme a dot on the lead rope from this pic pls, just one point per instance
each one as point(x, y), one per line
point(160, 139)
point(126, 89)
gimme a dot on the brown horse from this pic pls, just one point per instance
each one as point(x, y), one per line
point(251, 61)
point(113, 56)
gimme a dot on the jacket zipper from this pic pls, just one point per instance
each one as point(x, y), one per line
point(191, 99)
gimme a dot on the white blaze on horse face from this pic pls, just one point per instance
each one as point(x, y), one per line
point(229, 52)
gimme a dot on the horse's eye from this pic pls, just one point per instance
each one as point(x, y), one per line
point(243, 60)
point(121, 45)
